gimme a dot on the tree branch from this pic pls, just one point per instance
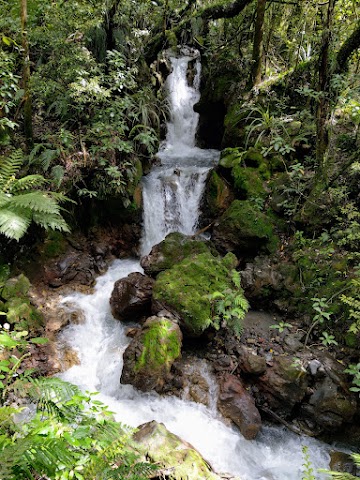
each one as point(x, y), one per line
point(351, 44)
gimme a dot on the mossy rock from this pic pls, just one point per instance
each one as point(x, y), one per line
point(150, 355)
point(230, 157)
point(54, 245)
point(15, 287)
point(184, 289)
point(248, 182)
point(175, 248)
point(218, 195)
point(172, 454)
point(244, 229)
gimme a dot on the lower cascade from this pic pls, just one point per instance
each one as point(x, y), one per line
point(171, 199)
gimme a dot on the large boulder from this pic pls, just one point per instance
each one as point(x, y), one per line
point(176, 458)
point(131, 297)
point(170, 251)
point(236, 403)
point(150, 355)
point(185, 288)
point(244, 229)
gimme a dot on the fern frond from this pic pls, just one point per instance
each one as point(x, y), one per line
point(236, 278)
point(37, 201)
point(14, 224)
point(52, 221)
point(57, 173)
point(9, 167)
point(28, 183)
point(52, 395)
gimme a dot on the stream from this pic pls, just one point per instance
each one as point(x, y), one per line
point(171, 198)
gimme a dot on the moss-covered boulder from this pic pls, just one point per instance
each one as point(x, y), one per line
point(177, 458)
point(150, 355)
point(170, 251)
point(185, 288)
point(244, 229)
point(218, 195)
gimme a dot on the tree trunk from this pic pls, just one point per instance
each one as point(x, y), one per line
point(28, 130)
point(323, 105)
point(258, 43)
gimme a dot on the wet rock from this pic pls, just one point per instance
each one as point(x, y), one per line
point(329, 405)
point(131, 297)
point(174, 456)
point(217, 197)
point(284, 384)
point(74, 267)
point(198, 382)
point(237, 404)
point(149, 357)
point(259, 274)
point(250, 362)
point(170, 251)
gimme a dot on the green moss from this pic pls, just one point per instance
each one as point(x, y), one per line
point(244, 223)
point(54, 245)
point(161, 345)
point(231, 156)
point(171, 453)
point(173, 250)
point(248, 182)
point(218, 194)
point(186, 287)
point(15, 287)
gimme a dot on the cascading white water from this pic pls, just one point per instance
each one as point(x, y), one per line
point(172, 192)
point(169, 203)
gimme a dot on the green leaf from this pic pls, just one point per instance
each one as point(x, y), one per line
point(39, 340)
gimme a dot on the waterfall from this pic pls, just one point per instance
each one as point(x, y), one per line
point(172, 193)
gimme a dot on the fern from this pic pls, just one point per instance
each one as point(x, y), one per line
point(28, 182)
point(14, 224)
point(21, 201)
point(9, 168)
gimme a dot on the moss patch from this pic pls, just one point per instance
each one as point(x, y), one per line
point(170, 452)
point(161, 345)
point(184, 289)
point(244, 228)
point(175, 248)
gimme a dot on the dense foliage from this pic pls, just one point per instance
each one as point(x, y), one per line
point(81, 111)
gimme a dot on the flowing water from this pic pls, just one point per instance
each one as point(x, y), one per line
point(172, 194)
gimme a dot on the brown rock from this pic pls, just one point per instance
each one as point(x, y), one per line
point(131, 297)
point(237, 404)
point(250, 362)
point(283, 385)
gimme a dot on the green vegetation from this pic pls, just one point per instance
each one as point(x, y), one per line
point(190, 288)
point(161, 345)
point(81, 115)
